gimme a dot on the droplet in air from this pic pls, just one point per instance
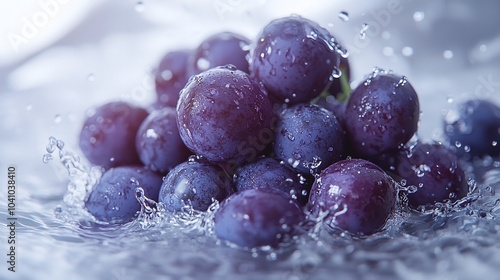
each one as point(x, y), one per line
point(47, 158)
point(418, 16)
point(139, 7)
point(29, 107)
point(362, 32)
point(388, 51)
point(57, 118)
point(407, 51)
point(91, 77)
point(448, 54)
point(344, 16)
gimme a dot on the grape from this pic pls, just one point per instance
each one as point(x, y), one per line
point(195, 184)
point(306, 134)
point(220, 49)
point(225, 116)
point(434, 171)
point(113, 199)
point(381, 115)
point(474, 129)
point(359, 195)
point(257, 217)
point(108, 135)
point(295, 59)
point(270, 173)
point(158, 142)
point(171, 76)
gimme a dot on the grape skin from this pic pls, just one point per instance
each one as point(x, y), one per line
point(108, 135)
point(218, 50)
point(381, 115)
point(270, 173)
point(359, 195)
point(113, 198)
point(295, 59)
point(436, 173)
point(306, 131)
point(194, 184)
point(224, 116)
point(171, 77)
point(474, 130)
point(257, 217)
point(158, 142)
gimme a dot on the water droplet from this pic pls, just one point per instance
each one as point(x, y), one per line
point(203, 64)
point(166, 75)
point(494, 143)
point(448, 54)
point(344, 16)
point(47, 158)
point(139, 7)
point(91, 77)
point(407, 51)
point(362, 32)
point(388, 51)
point(29, 107)
point(418, 16)
point(57, 118)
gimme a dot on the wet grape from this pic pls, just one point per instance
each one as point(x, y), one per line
point(257, 217)
point(295, 59)
point(158, 142)
point(195, 184)
point(108, 135)
point(113, 199)
point(359, 196)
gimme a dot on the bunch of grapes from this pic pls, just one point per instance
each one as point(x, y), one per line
point(272, 130)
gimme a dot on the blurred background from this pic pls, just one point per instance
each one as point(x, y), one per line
point(58, 58)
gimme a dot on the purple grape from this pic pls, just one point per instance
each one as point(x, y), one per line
point(158, 142)
point(381, 115)
point(195, 184)
point(225, 116)
point(108, 135)
point(218, 50)
point(270, 173)
point(171, 76)
point(295, 59)
point(306, 134)
point(359, 195)
point(474, 129)
point(257, 217)
point(434, 171)
point(113, 199)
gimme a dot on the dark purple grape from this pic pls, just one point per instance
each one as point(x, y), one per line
point(270, 173)
point(171, 76)
point(333, 105)
point(257, 217)
point(113, 199)
point(308, 134)
point(359, 195)
point(474, 129)
point(108, 135)
point(381, 115)
point(435, 173)
point(158, 142)
point(225, 116)
point(195, 184)
point(295, 59)
point(218, 50)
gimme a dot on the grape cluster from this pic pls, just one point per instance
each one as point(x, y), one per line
point(271, 129)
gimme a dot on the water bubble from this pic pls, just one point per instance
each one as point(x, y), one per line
point(362, 32)
point(418, 16)
point(448, 54)
point(344, 16)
